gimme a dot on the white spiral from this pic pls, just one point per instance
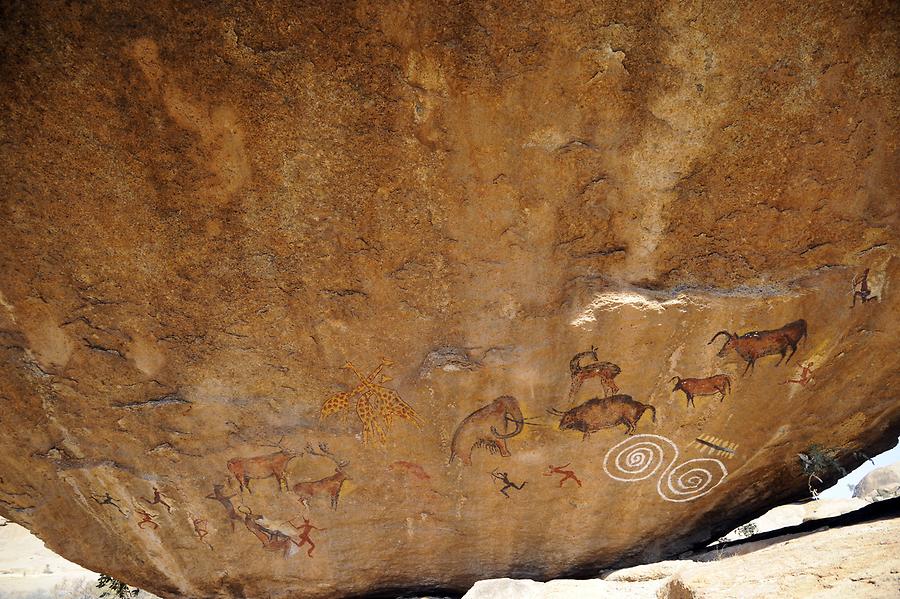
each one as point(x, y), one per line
point(639, 457)
point(689, 480)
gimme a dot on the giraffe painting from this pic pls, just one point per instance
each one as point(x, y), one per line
point(376, 405)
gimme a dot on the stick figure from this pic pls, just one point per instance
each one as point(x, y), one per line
point(305, 529)
point(567, 474)
point(200, 529)
point(805, 376)
point(504, 478)
point(157, 498)
point(148, 519)
point(863, 293)
point(108, 500)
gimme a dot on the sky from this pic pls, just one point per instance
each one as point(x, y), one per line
point(841, 489)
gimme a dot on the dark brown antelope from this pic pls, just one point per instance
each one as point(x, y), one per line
point(711, 385)
point(756, 344)
point(329, 486)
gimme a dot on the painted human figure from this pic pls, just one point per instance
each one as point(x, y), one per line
point(504, 478)
point(108, 500)
point(157, 499)
point(147, 519)
point(200, 529)
point(805, 376)
point(567, 474)
point(303, 538)
point(863, 293)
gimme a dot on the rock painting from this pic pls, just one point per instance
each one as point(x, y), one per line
point(107, 499)
point(482, 428)
point(225, 500)
point(715, 446)
point(147, 518)
point(642, 456)
point(303, 536)
point(330, 486)
point(373, 402)
point(756, 344)
point(606, 412)
point(410, 468)
point(200, 529)
point(507, 484)
point(265, 466)
point(805, 376)
point(861, 289)
point(717, 384)
point(158, 498)
point(605, 371)
point(271, 539)
point(566, 474)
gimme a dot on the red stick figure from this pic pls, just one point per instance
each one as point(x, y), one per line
point(805, 376)
point(200, 529)
point(148, 519)
point(305, 529)
point(157, 498)
point(567, 474)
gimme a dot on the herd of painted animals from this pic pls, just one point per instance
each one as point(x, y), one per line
point(491, 427)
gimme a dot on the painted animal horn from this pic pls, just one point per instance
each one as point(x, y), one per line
point(726, 333)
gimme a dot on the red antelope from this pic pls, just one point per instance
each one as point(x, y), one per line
point(756, 344)
point(329, 486)
point(605, 371)
point(266, 466)
point(711, 385)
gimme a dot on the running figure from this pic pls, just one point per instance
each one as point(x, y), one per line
point(305, 529)
point(504, 478)
point(567, 474)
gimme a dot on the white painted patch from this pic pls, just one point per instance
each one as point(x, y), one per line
point(641, 456)
point(614, 300)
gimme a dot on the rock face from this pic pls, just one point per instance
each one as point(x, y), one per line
point(858, 561)
point(880, 483)
point(289, 293)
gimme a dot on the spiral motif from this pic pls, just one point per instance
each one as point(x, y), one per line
point(641, 456)
point(692, 479)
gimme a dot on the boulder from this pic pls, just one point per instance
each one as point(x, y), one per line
point(339, 298)
point(880, 482)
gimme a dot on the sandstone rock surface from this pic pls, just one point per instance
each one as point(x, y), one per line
point(267, 270)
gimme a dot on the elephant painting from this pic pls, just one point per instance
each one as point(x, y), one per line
point(482, 428)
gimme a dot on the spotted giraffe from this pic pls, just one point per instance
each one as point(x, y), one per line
point(388, 400)
point(341, 401)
